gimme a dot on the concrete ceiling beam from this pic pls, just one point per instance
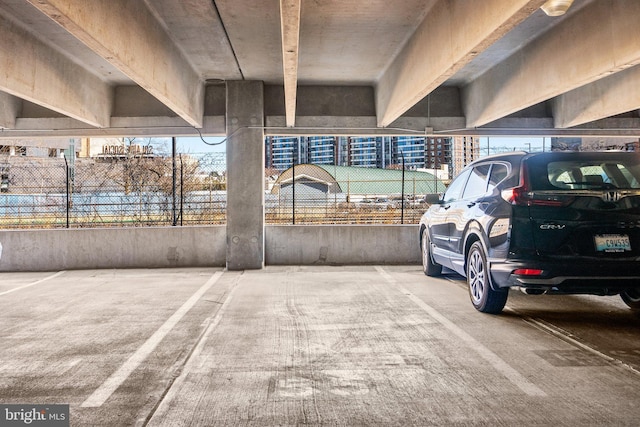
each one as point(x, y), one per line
point(34, 71)
point(290, 29)
point(9, 109)
point(610, 96)
point(127, 35)
point(450, 36)
point(120, 127)
point(597, 40)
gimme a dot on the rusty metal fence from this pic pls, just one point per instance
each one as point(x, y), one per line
point(131, 191)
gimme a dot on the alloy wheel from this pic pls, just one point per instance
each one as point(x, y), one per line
point(477, 277)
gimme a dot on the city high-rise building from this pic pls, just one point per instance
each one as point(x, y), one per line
point(465, 150)
point(363, 151)
point(281, 151)
point(419, 152)
point(412, 149)
point(322, 150)
point(438, 152)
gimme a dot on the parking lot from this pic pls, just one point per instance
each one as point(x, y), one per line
point(365, 345)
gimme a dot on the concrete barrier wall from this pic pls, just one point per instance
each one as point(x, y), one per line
point(153, 247)
point(341, 244)
point(159, 247)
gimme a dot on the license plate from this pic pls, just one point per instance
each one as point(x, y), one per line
point(612, 243)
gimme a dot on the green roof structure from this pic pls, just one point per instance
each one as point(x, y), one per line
point(362, 181)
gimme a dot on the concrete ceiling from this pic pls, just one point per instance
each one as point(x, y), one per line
point(436, 67)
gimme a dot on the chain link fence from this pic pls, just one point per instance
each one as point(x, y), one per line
point(128, 191)
point(160, 191)
point(328, 194)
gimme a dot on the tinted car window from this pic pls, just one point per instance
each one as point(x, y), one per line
point(477, 184)
point(456, 187)
point(597, 172)
point(499, 172)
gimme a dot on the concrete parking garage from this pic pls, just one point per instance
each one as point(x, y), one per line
point(314, 345)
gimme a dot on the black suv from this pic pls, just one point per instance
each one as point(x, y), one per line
point(555, 222)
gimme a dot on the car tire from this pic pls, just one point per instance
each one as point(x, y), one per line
point(429, 267)
point(631, 298)
point(483, 297)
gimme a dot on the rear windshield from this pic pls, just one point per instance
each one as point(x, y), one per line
point(584, 171)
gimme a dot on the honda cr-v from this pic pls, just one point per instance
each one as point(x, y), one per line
point(555, 222)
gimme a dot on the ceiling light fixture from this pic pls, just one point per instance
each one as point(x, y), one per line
point(556, 7)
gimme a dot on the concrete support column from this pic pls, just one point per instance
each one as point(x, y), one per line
point(245, 175)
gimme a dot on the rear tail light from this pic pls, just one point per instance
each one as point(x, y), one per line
point(522, 195)
point(527, 272)
point(517, 196)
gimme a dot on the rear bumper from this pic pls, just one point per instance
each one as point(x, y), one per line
point(570, 277)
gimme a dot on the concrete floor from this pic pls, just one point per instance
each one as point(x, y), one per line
point(311, 346)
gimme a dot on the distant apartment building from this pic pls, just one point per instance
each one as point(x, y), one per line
point(40, 147)
point(370, 152)
point(594, 144)
point(411, 150)
point(363, 151)
point(75, 147)
point(281, 151)
point(114, 148)
point(465, 150)
point(417, 152)
point(438, 153)
point(323, 150)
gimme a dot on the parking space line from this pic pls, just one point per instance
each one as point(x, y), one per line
point(177, 382)
point(102, 393)
point(53, 276)
point(558, 333)
point(493, 359)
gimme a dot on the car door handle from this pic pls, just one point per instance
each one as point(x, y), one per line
point(445, 207)
point(471, 204)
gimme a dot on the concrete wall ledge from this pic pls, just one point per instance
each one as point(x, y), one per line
point(135, 247)
point(341, 244)
point(203, 246)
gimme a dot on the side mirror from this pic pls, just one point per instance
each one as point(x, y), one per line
point(433, 199)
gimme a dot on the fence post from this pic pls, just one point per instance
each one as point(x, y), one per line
point(181, 189)
point(402, 195)
point(67, 170)
point(173, 182)
point(293, 192)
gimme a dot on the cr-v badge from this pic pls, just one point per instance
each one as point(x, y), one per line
point(552, 226)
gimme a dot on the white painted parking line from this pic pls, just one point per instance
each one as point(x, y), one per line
point(176, 386)
point(565, 336)
point(493, 359)
point(102, 393)
point(53, 276)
